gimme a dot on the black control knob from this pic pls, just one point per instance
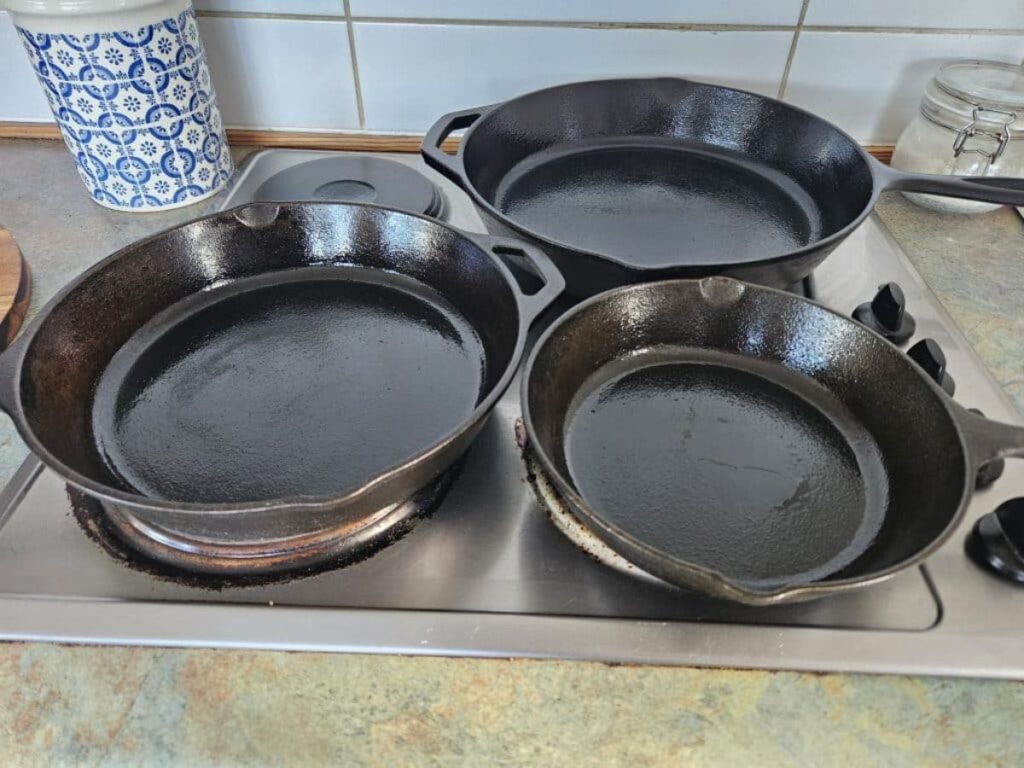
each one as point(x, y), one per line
point(996, 542)
point(990, 472)
point(928, 354)
point(887, 314)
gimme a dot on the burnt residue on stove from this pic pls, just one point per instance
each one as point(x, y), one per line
point(561, 516)
point(89, 515)
point(546, 501)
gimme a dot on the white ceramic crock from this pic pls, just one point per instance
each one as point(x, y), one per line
point(128, 84)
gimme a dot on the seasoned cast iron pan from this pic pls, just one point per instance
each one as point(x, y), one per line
point(624, 181)
point(273, 370)
point(746, 443)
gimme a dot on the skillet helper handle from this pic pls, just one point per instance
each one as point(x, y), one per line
point(437, 158)
point(532, 260)
point(989, 440)
point(1004, 190)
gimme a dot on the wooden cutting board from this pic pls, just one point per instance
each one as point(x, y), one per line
point(15, 288)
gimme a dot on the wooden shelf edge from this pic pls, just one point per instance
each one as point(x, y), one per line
point(244, 137)
point(353, 142)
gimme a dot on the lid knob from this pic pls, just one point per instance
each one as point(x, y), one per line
point(928, 354)
point(996, 542)
point(887, 314)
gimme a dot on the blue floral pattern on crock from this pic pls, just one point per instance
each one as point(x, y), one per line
point(161, 64)
point(153, 166)
point(173, 42)
point(137, 111)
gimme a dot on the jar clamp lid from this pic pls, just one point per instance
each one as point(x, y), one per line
point(977, 98)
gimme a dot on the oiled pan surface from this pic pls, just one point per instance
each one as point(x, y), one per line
point(733, 464)
point(742, 441)
point(302, 381)
point(658, 203)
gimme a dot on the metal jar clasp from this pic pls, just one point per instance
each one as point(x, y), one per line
point(971, 129)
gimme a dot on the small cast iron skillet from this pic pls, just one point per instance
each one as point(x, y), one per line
point(749, 444)
point(631, 180)
point(273, 370)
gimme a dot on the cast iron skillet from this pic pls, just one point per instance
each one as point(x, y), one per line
point(272, 370)
point(746, 443)
point(623, 181)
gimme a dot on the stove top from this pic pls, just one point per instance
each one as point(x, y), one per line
point(488, 574)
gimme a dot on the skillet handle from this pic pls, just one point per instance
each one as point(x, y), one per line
point(437, 158)
point(1004, 190)
point(989, 440)
point(536, 263)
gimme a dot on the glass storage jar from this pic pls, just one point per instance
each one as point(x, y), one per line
point(971, 123)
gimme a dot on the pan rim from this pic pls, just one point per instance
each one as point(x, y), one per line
point(702, 264)
point(724, 586)
point(300, 502)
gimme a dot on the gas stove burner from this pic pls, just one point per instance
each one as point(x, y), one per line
point(355, 179)
point(213, 565)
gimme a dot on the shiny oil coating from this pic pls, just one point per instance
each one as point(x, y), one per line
point(742, 441)
point(304, 382)
point(51, 375)
point(639, 179)
point(659, 204)
point(762, 191)
point(710, 460)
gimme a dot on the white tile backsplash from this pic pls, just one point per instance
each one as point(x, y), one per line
point(281, 73)
point(413, 73)
point(21, 97)
point(276, 68)
point(665, 11)
point(870, 84)
point(944, 14)
point(297, 7)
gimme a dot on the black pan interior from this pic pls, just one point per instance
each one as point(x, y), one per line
point(279, 350)
point(751, 433)
point(789, 485)
point(286, 384)
point(659, 172)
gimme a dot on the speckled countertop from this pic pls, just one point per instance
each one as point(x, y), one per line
point(66, 705)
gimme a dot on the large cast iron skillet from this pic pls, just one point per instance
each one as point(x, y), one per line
point(273, 370)
point(623, 181)
point(746, 443)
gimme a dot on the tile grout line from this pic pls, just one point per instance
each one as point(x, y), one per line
point(439, 21)
point(356, 83)
point(573, 24)
point(682, 26)
point(579, 24)
point(880, 30)
point(792, 49)
point(332, 18)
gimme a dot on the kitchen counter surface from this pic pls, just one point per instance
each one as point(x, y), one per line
point(139, 706)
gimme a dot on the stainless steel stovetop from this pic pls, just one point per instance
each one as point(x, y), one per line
point(489, 575)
